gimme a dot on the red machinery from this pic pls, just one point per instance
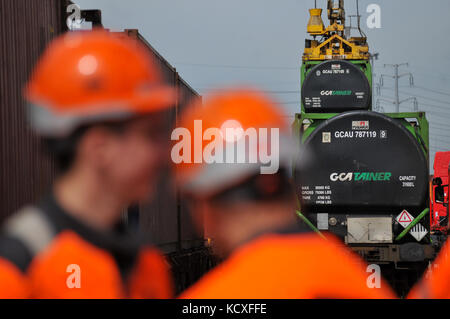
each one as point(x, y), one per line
point(439, 193)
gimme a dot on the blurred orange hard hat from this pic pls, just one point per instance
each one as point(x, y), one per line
point(91, 76)
point(246, 109)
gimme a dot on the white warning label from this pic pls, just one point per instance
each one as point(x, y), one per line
point(418, 232)
point(404, 218)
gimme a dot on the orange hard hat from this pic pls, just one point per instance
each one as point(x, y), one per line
point(251, 114)
point(92, 76)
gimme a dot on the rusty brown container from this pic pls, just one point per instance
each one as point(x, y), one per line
point(25, 29)
point(166, 219)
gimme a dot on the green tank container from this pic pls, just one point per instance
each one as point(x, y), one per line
point(332, 86)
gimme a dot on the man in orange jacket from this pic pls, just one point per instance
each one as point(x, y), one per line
point(97, 101)
point(436, 282)
point(247, 204)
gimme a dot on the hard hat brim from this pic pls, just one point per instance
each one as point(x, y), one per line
point(154, 100)
point(47, 121)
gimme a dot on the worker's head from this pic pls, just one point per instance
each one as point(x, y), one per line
point(437, 181)
point(98, 101)
point(235, 171)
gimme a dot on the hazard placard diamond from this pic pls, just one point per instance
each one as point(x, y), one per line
point(404, 218)
point(418, 232)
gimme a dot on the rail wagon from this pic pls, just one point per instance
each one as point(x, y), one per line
point(360, 174)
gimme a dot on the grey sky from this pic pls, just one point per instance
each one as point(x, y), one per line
point(227, 42)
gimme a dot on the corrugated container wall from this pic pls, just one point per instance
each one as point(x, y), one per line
point(166, 220)
point(26, 26)
point(25, 29)
point(190, 237)
point(26, 173)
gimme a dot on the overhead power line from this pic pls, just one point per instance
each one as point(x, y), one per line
point(434, 120)
point(396, 78)
point(428, 98)
point(265, 91)
point(439, 126)
point(442, 135)
point(438, 106)
point(229, 66)
point(431, 90)
point(439, 149)
point(430, 75)
point(421, 96)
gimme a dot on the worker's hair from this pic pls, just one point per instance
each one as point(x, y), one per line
point(64, 150)
point(258, 187)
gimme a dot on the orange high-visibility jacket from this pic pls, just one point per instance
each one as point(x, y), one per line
point(436, 283)
point(46, 253)
point(289, 266)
